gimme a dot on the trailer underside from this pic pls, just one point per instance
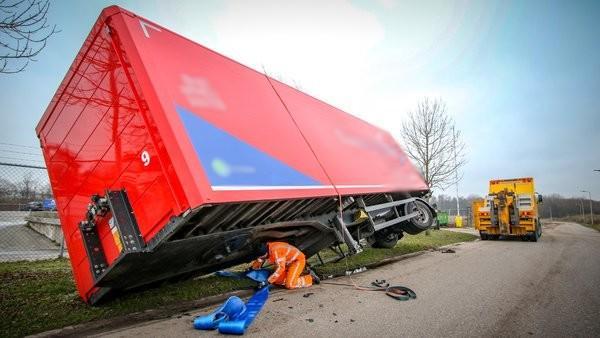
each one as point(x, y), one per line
point(213, 237)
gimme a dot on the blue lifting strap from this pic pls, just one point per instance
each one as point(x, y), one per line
point(260, 275)
point(230, 309)
point(234, 317)
point(240, 323)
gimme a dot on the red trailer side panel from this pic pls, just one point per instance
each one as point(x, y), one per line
point(308, 137)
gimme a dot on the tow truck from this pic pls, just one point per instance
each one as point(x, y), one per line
point(509, 210)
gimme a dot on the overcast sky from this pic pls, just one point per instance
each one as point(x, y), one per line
point(521, 79)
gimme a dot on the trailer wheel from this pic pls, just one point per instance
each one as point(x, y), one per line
point(386, 240)
point(420, 223)
point(483, 236)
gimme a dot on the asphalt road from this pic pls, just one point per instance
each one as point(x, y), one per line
point(486, 288)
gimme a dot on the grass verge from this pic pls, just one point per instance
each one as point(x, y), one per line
point(408, 244)
point(40, 296)
point(595, 226)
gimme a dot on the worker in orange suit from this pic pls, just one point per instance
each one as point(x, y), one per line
point(289, 263)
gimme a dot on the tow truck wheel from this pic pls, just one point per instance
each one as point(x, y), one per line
point(386, 240)
point(483, 236)
point(422, 221)
point(533, 236)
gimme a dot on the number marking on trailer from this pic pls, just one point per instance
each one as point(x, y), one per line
point(145, 158)
point(145, 27)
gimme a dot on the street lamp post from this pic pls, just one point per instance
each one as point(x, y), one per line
point(591, 209)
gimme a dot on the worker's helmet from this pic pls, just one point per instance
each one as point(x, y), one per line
point(262, 249)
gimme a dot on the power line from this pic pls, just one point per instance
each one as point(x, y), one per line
point(21, 165)
point(21, 159)
point(19, 145)
point(20, 152)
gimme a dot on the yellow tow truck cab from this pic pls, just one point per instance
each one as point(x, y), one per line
point(509, 209)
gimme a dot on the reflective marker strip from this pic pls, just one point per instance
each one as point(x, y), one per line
point(295, 256)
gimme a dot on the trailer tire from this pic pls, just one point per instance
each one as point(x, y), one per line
point(483, 236)
point(420, 223)
point(386, 240)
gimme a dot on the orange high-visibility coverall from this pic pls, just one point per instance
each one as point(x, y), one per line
point(289, 262)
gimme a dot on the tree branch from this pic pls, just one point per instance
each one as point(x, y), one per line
point(24, 33)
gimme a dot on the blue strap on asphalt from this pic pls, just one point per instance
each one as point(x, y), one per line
point(234, 317)
point(239, 324)
point(230, 309)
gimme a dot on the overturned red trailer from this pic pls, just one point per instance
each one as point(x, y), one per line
point(167, 159)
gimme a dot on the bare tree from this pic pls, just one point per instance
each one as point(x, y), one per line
point(27, 187)
point(7, 189)
point(24, 31)
point(434, 144)
point(45, 190)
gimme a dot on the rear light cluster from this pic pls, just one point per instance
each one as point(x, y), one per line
point(483, 213)
point(527, 213)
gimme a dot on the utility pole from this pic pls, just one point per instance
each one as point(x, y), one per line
point(581, 207)
point(455, 170)
point(591, 208)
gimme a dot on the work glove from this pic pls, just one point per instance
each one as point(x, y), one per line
point(258, 263)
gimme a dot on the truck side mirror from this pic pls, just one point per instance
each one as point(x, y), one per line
point(540, 199)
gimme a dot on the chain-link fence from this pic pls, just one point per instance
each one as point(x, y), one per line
point(29, 225)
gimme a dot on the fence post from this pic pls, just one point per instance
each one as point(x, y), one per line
point(61, 252)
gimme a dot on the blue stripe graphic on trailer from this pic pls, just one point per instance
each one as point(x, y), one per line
point(229, 161)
